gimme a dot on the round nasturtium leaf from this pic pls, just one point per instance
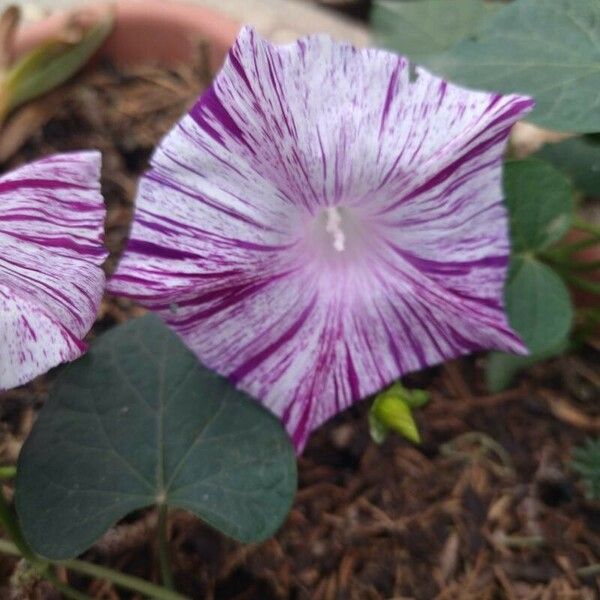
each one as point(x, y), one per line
point(548, 49)
point(540, 204)
point(538, 304)
point(137, 422)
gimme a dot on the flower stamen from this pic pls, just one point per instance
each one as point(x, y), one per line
point(333, 226)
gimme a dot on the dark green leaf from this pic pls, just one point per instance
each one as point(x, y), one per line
point(538, 304)
point(580, 159)
point(419, 29)
point(540, 204)
point(548, 49)
point(138, 422)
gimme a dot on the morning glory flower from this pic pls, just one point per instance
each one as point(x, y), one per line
point(324, 220)
point(51, 283)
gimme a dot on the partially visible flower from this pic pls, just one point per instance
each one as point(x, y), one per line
point(51, 249)
point(324, 220)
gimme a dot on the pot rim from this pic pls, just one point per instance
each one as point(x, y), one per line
point(177, 27)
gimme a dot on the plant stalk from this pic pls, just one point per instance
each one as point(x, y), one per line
point(66, 590)
point(97, 572)
point(571, 265)
point(564, 253)
point(163, 547)
point(581, 283)
point(590, 228)
point(589, 571)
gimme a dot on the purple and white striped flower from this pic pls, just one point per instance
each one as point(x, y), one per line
point(51, 249)
point(323, 221)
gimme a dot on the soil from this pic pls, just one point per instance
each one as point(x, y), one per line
point(486, 507)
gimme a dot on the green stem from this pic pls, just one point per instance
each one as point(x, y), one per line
point(8, 472)
point(568, 264)
point(97, 572)
point(120, 579)
point(589, 571)
point(585, 266)
point(581, 283)
point(562, 253)
point(590, 228)
point(163, 547)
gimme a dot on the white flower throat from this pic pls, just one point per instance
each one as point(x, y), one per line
point(333, 226)
point(337, 235)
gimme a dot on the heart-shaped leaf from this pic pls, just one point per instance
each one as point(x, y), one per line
point(548, 49)
point(139, 421)
point(540, 204)
point(419, 29)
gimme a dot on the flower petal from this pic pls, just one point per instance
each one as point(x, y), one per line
point(51, 249)
point(231, 240)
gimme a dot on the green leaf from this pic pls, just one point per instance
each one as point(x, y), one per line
point(579, 158)
point(540, 204)
point(501, 368)
point(538, 304)
point(139, 422)
point(50, 65)
point(548, 49)
point(419, 29)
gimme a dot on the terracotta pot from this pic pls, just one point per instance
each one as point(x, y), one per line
point(156, 31)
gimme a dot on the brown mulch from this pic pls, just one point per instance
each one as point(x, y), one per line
point(486, 507)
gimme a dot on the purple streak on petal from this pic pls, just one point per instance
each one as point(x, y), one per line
point(151, 249)
point(249, 366)
point(211, 107)
point(391, 92)
point(16, 185)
